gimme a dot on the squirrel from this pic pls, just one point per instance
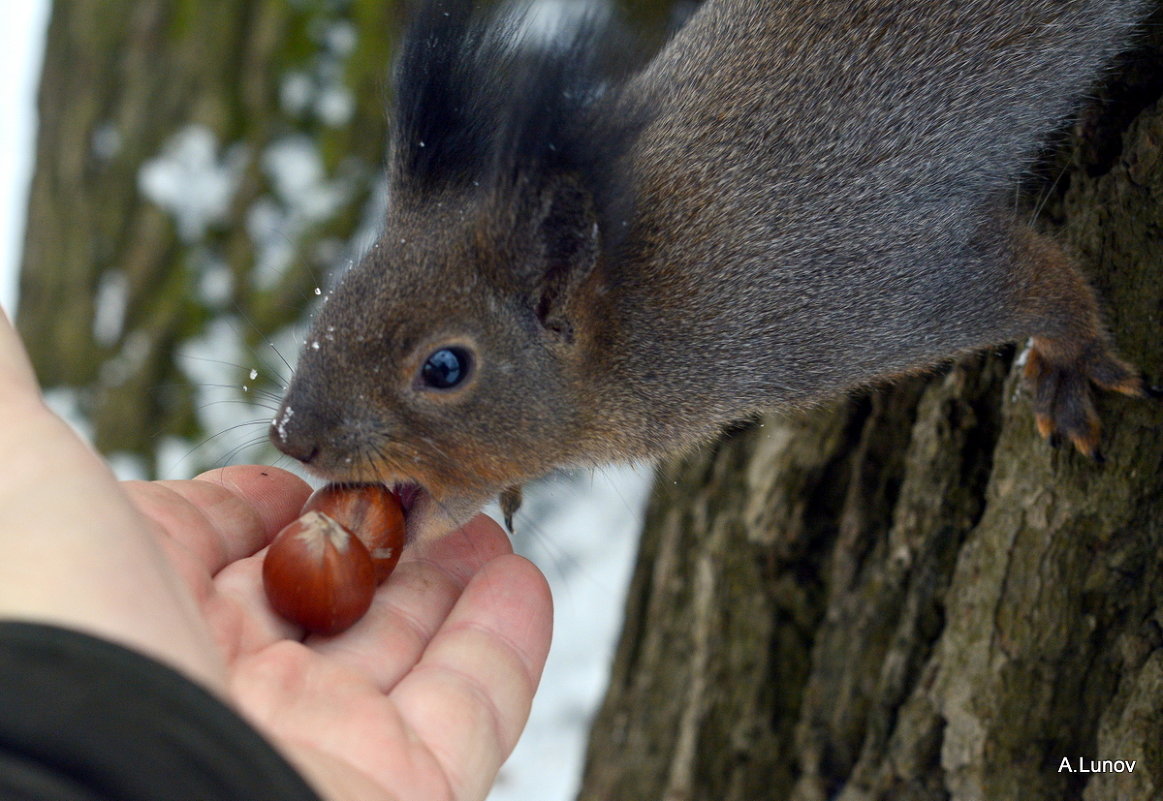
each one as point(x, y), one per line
point(583, 262)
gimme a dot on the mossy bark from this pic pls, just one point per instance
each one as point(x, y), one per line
point(907, 595)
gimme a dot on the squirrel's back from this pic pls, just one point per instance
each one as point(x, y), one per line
point(831, 161)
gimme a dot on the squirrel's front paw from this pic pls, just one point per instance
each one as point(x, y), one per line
point(1060, 376)
point(510, 502)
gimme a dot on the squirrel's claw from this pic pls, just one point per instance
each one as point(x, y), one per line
point(1063, 391)
point(510, 501)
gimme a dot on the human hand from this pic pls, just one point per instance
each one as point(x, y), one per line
point(423, 698)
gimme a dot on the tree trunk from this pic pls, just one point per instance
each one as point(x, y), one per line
point(908, 595)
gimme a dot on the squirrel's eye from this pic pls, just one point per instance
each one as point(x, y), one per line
point(446, 368)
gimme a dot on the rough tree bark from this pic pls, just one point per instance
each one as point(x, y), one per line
point(907, 595)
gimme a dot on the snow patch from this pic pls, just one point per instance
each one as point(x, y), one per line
point(335, 105)
point(128, 466)
point(174, 458)
point(106, 142)
point(319, 90)
point(280, 422)
point(215, 280)
point(296, 91)
point(340, 37)
point(109, 304)
point(20, 60)
point(192, 181)
point(296, 170)
point(303, 196)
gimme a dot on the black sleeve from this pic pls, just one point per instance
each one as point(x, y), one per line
point(83, 719)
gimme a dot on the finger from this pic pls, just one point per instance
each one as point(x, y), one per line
point(463, 552)
point(322, 710)
point(405, 612)
point(224, 515)
point(335, 726)
point(469, 696)
point(241, 615)
point(215, 528)
point(276, 495)
point(411, 605)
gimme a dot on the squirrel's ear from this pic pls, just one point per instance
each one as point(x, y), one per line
point(570, 239)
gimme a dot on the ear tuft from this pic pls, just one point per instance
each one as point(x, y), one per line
point(484, 102)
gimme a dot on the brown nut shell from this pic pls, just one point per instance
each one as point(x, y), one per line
point(318, 574)
point(370, 511)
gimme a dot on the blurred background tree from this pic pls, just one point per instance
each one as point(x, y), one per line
point(200, 168)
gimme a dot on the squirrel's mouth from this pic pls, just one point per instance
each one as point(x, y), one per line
point(408, 492)
point(425, 517)
point(428, 516)
point(415, 501)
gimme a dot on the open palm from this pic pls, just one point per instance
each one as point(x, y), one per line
point(422, 699)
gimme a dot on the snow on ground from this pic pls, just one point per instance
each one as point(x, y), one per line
point(581, 529)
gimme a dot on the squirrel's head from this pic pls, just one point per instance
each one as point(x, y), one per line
point(448, 360)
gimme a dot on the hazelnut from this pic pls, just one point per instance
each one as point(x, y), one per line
point(371, 512)
point(318, 574)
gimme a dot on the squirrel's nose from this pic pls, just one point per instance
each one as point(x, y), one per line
point(293, 438)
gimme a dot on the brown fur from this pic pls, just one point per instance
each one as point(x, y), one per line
point(796, 197)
